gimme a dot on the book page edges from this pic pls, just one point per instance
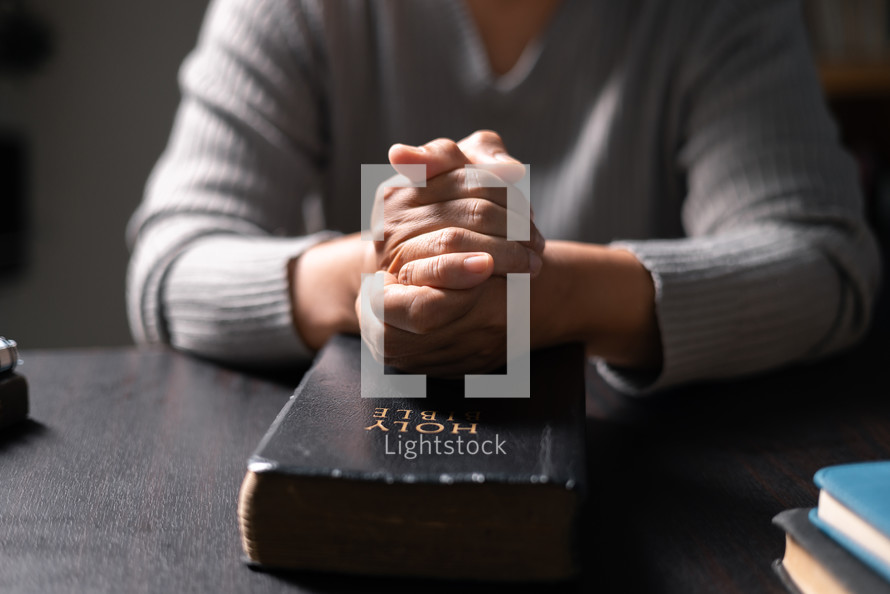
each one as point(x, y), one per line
point(841, 518)
point(807, 573)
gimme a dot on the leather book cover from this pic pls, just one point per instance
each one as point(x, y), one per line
point(443, 486)
point(786, 580)
point(815, 563)
point(13, 398)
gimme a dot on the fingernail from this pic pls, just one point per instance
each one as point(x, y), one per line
point(476, 264)
point(534, 262)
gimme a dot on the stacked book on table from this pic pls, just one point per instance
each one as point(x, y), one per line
point(843, 545)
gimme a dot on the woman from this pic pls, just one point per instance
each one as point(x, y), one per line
point(701, 219)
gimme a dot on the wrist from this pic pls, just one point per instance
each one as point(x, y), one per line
point(324, 283)
point(630, 336)
point(598, 295)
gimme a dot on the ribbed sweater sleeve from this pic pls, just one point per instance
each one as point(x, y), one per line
point(778, 264)
point(223, 215)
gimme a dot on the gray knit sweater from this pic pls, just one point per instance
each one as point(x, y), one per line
point(692, 132)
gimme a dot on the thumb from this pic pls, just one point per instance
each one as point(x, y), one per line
point(448, 271)
point(485, 147)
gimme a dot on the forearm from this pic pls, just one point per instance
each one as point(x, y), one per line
point(225, 297)
point(600, 296)
point(242, 156)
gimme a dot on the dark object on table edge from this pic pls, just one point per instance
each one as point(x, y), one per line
point(13, 398)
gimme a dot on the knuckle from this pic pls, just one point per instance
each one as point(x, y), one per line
point(395, 259)
point(484, 184)
point(465, 179)
point(397, 197)
point(519, 257)
point(449, 240)
point(446, 146)
point(400, 198)
point(415, 309)
point(486, 137)
point(418, 314)
point(436, 269)
point(477, 212)
point(390, 230)
point(407, 273)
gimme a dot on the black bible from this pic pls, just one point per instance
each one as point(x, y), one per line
point(440, 487)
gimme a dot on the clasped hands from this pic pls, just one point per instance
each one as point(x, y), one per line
point(445, 256)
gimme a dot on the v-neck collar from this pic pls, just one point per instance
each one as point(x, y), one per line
point(528, 61)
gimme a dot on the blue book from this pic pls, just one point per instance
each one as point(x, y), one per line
point(854, 510)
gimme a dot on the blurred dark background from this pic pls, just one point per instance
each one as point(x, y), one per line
point(87, 97)
point(80, 128)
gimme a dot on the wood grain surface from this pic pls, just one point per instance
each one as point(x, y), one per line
point(126, 477)
point(691, 479)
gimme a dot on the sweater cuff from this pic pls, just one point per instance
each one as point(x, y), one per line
point(227, 297)
point(732, 305)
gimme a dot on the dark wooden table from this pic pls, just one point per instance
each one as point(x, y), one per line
point(126, 477)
